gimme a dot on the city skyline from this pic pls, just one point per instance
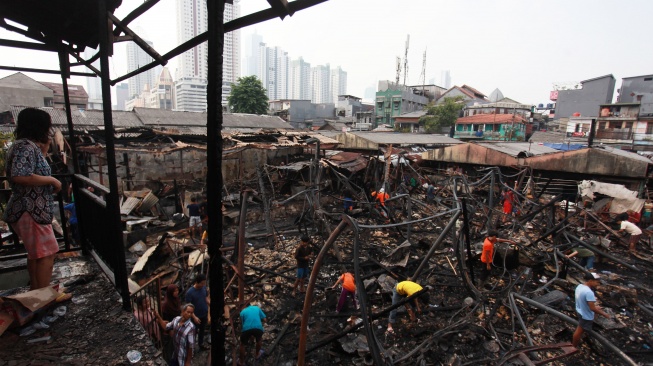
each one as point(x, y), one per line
point(522, 51)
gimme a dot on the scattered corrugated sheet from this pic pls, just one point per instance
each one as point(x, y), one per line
point(351, 161)
point(518, 149)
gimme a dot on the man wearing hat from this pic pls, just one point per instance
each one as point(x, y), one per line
point(302, 255)
point(586, 306)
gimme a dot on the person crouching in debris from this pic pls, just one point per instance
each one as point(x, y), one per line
point(348, 288)
point(586, 306)
point(348, 204)
point(586, 257)
point(251, 319)
point(381, 197)
point(630, 228)
point(182, 331)
point(487, 255)
point(405, 289)
point(302, 255)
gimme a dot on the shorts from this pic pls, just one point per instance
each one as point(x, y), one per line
point(634, 239)
point(302, 272)
point(246, 335)
point(195, 221)
point(585, 324)
point(38, 239)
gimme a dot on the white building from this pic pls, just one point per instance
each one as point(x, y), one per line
point(321, 84)
point(192, 72)
point(252, 54)
point(162, 94)
point(137, 58)
point(338, 83)
point(299, 80)
point(273, 71)
point(445, 79)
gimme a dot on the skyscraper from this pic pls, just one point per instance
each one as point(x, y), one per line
point(445, 79)
point(93, 85)
point(252, 53)
point(299, 80)
point(273, 68)
point(338, 83)
point(136, 58)
point(122, 96)
point(321, 84)
point(191, 74)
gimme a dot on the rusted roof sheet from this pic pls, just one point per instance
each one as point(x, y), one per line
point(351, 161)
point(162, 117)
point(396, 138)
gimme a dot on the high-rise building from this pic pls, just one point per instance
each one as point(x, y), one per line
point(252, 53)
point(273, 71)
point(191, 75)
point(122, 95)
point(321, 84)
point(445, 79)
point(299, 80)
point(338, 83)
point(136, 58)
point(93, 85)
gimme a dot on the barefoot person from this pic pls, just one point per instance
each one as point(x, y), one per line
point(29, 210)
point(302, 255)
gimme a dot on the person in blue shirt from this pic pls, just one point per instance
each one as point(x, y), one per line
point(72, 220)
point(586, 306)
point(198, 295)
point(251, 318)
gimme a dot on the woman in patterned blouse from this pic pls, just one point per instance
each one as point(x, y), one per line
point(29, 210)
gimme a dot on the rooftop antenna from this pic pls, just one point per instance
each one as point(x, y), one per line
point(406, 59)
point(423, 76)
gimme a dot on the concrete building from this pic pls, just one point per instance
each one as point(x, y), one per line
point(299, 81)
point(77, 94)
point(20, 89)
point(638, 89)
point(338, 83)
point(162, 94)
point(137, 57)
point(393, 100)
point(273, 70)
point(321, 84)
point(586, 99)
point(505, 127)
point(503, 106)
point(122, 95)
point(302, 113)
point(191, 74)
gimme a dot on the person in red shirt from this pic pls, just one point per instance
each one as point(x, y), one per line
point(348, 288)
point(634, 217)
point(508, 198)
point(487, 255)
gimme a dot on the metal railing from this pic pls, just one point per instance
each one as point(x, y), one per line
point(151, 291)
point(615, 134)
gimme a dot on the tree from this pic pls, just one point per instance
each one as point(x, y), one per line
point(442, 115)
point(248, 96)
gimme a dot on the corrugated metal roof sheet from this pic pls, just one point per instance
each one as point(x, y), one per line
point(624, 153)
point(90, 119)
point(161, 117)
point(515, 148)
point(386, 138)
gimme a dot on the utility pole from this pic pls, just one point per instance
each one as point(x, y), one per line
point(398, 72)
point(423, 73)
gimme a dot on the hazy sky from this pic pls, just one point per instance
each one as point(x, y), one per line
point(518, 46)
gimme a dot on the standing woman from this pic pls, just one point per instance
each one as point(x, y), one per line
point(29, 210)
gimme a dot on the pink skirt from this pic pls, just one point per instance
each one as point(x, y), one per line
point(38, 239)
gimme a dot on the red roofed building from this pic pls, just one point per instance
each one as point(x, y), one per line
point(78, 95)
point(506, 127)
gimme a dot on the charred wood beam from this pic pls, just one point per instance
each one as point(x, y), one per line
point(573, 322)
point(242, 246)
point(44, 71)
point(138, 40)
point(572, 262)
point(266, 208)
point(28, 45)
point(531, 215)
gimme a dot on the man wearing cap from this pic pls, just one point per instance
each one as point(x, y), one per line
point(302, 254)
point(586, 306)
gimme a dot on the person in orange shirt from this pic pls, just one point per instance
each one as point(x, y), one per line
point(487, 255)
point(348, 288)
point(381, 197)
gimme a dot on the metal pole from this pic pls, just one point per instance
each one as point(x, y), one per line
point(114, 228)
point(470, 263)
point(242, 247)
point(490, 200)
point(435, 245)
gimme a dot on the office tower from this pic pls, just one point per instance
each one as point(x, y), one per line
point(191, 74)
point(338, 83)
point(137, 58)
point(445, 79)
point(93, 85)
point(252, 53)
point(321, 84)
point(122, 96)
point(299, 80)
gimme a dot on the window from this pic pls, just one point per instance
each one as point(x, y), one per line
point(639, 98)
point(629, 125)
point(648, 79)
point(649, 128)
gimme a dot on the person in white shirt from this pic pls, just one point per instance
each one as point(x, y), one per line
point(629, 228)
